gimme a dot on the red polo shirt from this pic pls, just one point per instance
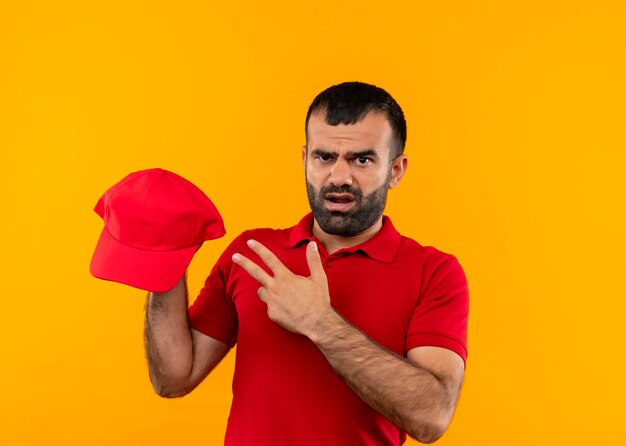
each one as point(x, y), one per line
point(399, 293)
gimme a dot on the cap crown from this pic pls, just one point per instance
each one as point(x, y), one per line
point(158, 210)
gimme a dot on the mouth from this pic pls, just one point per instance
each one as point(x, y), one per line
point(339, 202)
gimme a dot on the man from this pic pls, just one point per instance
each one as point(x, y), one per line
point(348, 333)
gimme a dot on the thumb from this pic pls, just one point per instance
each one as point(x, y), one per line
point(314, 261)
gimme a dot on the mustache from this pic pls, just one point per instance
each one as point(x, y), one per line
point(344, 189)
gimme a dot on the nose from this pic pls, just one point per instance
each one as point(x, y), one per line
point(340, 174)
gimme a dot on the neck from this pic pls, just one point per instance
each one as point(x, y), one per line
point(333, 243)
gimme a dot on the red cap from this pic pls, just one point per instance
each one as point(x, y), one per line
point(154, 222)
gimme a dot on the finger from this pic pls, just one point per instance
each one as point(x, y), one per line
point(261, 293)
point(267, 256)
point(253, 269)
point(314, 261)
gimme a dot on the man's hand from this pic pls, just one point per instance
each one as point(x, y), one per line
point(297, 303)
point(418, 394)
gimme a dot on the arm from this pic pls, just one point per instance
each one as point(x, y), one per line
point(418, 393)
point(179, 357)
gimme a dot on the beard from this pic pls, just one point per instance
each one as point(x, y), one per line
point(363, 215)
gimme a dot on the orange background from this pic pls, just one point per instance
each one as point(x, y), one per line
point(516, 115)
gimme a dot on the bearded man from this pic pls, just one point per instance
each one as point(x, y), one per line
point(347, 332)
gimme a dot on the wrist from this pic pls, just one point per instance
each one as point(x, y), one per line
point(326, 327)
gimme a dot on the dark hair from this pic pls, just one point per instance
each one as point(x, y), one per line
point(349, 102)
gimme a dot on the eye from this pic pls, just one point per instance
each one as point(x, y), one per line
point(362, 161)
point(324, 157)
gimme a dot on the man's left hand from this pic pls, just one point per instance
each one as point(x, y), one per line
point(297, 303)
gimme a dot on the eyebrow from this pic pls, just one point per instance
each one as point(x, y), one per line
point(353, 154)
point(366, 152)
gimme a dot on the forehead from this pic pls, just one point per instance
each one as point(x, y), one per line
point(372, 131)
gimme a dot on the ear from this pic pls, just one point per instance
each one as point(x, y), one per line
point(304, 157)
point(398, 167)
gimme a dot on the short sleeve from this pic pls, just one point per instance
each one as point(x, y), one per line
point(440, 317)
point(213, 312)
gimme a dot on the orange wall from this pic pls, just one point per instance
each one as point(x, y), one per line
point(516, 163)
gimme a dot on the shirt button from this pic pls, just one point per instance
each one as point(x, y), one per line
point(328, 264)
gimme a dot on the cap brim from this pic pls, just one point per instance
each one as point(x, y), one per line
point(157, 271)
